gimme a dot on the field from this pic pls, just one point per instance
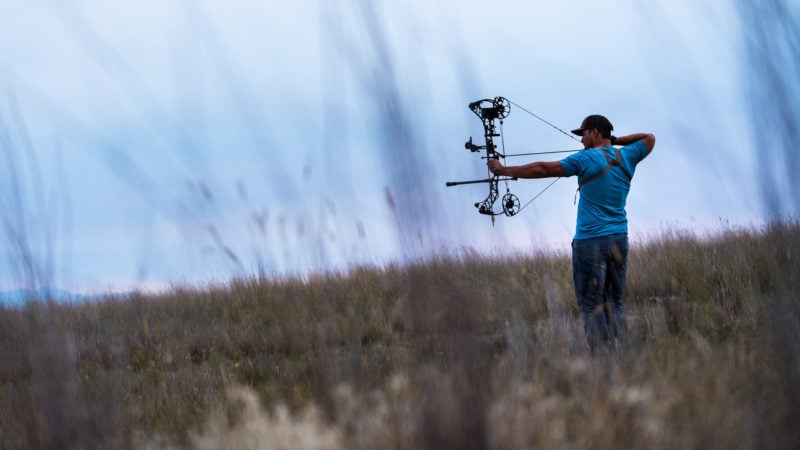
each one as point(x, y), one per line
point(455, 352)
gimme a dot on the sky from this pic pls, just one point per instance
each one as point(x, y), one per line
point(164, 143)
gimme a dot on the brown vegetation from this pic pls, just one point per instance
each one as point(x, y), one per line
point(464, 352)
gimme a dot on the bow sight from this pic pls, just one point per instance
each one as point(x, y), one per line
point(490, 111)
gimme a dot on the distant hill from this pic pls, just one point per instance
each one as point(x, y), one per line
point(19, 297)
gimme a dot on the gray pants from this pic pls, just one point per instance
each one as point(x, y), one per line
point(598, 271)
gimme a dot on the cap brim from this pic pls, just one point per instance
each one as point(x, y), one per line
point(578, 131)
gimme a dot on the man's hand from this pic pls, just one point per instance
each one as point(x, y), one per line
point(496, 167)
point(648, 139)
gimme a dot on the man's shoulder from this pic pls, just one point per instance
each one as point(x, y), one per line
point(584, 155)
point(636, 150)
point(578, 158)
point(582, 161)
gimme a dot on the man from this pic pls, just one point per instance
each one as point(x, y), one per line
point(600, 247)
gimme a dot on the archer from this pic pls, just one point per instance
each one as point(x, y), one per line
point(600, 246)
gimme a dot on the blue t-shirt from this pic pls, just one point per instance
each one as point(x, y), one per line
point(601, 210)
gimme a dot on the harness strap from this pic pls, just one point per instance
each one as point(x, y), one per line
point(616, 162)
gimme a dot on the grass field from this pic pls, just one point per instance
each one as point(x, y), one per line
point(467, 352)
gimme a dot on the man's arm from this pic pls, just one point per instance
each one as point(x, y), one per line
point(533, 170)
point(648, 139)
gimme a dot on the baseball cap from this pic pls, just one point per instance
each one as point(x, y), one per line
point(594, 121)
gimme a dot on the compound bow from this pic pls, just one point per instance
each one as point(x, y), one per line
point(489, 111)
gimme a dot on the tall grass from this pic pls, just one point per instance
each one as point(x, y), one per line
point(460, 352)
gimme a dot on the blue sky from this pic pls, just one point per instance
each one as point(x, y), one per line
point(171, 142)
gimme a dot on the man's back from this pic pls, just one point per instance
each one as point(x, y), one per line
point(604, 187)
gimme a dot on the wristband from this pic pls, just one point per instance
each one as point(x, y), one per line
point(613, 139)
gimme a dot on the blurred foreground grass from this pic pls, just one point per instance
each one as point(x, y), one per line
point(452, 353)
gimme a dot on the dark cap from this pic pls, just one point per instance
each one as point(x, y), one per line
point(595, 121)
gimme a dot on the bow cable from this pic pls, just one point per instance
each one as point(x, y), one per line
point(540, 193)
point(543, 153)
point(503, 146)
point(534, 115)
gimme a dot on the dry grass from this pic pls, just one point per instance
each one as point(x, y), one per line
point(451, 353)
